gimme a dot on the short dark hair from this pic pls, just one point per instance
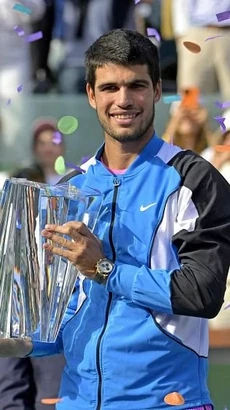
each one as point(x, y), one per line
point(122, 47)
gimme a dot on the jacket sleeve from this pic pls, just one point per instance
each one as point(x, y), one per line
point(197, 287)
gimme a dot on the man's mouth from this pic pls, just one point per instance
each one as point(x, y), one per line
point(124, 116)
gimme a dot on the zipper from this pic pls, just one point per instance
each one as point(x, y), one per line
point(116, 183)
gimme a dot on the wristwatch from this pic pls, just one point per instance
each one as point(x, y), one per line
point(103, 269)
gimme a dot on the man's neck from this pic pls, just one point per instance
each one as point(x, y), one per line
point(117, 155)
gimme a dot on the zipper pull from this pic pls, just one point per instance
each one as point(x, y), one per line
point(116, 182)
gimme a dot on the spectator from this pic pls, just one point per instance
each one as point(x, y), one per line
point(188, 128)
point(15, 61)
point(196, 21)
point(24, 382)
point(220, 160)
point(85, 21)
point(43, 77)
point(45, 153)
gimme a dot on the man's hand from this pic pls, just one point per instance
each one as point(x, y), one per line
point(83, 249)
point(15, 347)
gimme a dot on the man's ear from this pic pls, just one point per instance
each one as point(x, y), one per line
point(91, 96)
point(158, 92)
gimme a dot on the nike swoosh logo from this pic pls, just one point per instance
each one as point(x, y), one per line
point(144, 208)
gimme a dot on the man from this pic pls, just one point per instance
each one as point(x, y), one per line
point(155, 267)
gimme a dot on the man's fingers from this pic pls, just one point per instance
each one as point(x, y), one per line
point(59, 240)
point(70, 228)
point(68, 254)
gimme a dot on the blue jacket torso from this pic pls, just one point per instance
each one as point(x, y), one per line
point(118, 353)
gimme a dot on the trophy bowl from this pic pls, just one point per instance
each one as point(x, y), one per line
point(35, 285)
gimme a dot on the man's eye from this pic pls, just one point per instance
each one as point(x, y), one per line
point(110, 88)
point(137, 85)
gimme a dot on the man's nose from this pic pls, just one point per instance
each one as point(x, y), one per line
point(124, 98)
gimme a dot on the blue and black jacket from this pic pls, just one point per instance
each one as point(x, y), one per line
point(165, 223)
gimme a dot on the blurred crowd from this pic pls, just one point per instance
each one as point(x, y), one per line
point(55, 62)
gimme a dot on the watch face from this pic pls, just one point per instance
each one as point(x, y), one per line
point(105, 266)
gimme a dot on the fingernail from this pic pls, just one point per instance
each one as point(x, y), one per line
point(48, 226)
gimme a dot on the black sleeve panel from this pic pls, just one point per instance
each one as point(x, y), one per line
point(198, 288)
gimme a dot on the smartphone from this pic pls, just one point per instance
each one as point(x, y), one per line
point(190, 98)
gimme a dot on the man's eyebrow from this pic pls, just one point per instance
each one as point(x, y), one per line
point(128, 83)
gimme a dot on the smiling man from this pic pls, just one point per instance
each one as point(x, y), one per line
point(135, 334)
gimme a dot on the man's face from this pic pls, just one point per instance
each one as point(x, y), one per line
point(124, 99)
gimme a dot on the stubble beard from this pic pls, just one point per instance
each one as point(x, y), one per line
point(127, 137)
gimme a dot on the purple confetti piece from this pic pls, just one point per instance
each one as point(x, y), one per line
point(218, 104)
point(22, 9)
point(225, 104)
point(57, 138)
point(211, 38)
point(8, 102)
point(34, 37)
point(225, 15)
point(70, 165)
point(85, 159)
point(137, 1)
point(19, 88)
point(227, 307)
point(20, 32)
point(221, 120)
point(152, 32)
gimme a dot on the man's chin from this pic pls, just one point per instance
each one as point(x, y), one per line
point(127, 137)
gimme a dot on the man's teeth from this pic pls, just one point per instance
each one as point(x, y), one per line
point(125, 116)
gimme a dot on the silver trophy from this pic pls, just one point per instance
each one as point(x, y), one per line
point(35, 285)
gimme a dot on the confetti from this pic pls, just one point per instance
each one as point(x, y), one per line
point(57, 138)
point(50, 401)
point(225, 15)
point(225, 104)
point(22, 9)
point(174, 399)
point(68, 124)
point(73, 166)
point(20, 32)
point(8, 101)
point(34, 36)
point(221, 120)
point(211, 38)
point(85, 159)
point(193, 47)
point(59, 165)
point(19, 88)
point(152, 32)
point(227, 307)
point(222, 148)
point(137, 1)
point(168, 99)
